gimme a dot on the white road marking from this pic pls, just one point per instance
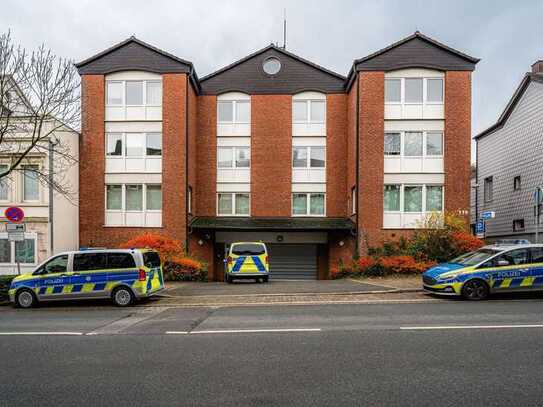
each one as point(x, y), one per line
point(177, 333)
point(233, 331)
point(422, 328)
point(41, 333)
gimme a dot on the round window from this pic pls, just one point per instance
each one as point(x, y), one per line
point(271, 66)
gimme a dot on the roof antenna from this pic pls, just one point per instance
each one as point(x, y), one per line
point(284, 28)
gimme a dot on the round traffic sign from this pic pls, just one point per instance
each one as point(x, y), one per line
point(14, 214)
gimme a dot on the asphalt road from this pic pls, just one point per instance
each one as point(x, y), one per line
point(427, 354)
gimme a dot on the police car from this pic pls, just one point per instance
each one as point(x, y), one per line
point(247, 260)
point(123, 275)
point(491, 269)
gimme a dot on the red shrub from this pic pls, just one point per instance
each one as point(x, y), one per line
point(169, 249)
point(466, 242)
point(364, 263)
point(403, 265)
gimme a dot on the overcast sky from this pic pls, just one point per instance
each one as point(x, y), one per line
point(506, 35)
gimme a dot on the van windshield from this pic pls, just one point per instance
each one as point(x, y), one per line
point(248, 249)
point(473, 258)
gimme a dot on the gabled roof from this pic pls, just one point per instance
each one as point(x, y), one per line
point(135, 54)
point(296, 75)
point(278, 49)
point(529, 77)
point(415, 51)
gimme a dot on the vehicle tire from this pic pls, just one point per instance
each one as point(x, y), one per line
point(475, 290)
point(25, 299)
point(122, 296)
point(228, 279)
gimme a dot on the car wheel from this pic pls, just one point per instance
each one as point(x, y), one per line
point(475, 290)
point(122, 297)
point(25, 299)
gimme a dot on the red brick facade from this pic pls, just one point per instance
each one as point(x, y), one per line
point(271, 151)
point(371, 158)
point(457, 146)
point(355, 126)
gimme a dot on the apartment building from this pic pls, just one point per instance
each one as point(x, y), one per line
point(510, 162)
point(51, 217)
point(273, 147)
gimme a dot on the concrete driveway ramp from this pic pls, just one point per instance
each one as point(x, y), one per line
point(293, 261)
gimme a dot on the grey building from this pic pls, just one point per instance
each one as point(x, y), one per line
point(510, 163)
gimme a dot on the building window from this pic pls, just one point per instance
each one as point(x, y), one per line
point(234, 111)
point(31, 186)
point(488, 189)
point(413, 198)
point(308, 157)
point(353, 200)
point(24, 252)
point(134, 93)
point(233, 204)
point(414, 90)
point(189, 200)
point(434, 90)
point(271, 66)
point(434, 143)
point(233, 157)
point(393, 90)
point(518, 225)
point(136, 145)
point(308, 204)
point(133, 199)
point(414, 144)
point(4, 184)
point(516, 183)
point(309, 111)
point(393, 143)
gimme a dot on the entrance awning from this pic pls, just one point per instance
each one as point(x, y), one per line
point(234, 223)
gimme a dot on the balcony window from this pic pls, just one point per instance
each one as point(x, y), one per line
point(434, 90)
point(413, 90)
point(233, 204)
point(309, 111)
point(308, 157)
point(234, 111)
point(392, 198)
point(413, 198)
point(133, 204)
point(114, 93)
point(233, 157)
point(134, 93)
point(154, 93)
point(308, 204)
point(393, 143)
point(434, 143)
point(393, 90)
point(413, 144)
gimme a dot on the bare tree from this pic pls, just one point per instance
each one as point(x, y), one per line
point(39, 100)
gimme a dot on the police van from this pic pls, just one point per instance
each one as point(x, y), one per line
point(124, 275)
point(247, 260)
point(492, 269)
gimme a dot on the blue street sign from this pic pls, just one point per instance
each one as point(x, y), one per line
point(480, 227)
point(538, 196)
point(488, 215)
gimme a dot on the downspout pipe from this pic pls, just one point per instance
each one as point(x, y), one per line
point(357, 188)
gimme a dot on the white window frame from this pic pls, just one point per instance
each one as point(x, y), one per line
point(424, 144)
point(234, 111)
point(123, 157)
point(7, 181)
point(308, 103)
point(233, 194)
point(308, 159)
point(27, 236)
point(424, 187)
point(424, 91)
point(234, 155)
point(308, 207)
point(22, 184)
point(123, 209)
point(144, 100)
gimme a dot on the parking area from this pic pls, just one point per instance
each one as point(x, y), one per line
point(274, 287)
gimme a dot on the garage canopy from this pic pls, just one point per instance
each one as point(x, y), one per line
point(234, 223)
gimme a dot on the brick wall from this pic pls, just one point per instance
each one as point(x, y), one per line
point(206, 183)
point(371, 159)
point(457, 151)
point(336, 152)
point(271, 149)
point(92, 162)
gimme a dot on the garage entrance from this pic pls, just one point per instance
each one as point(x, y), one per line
point(293, 261)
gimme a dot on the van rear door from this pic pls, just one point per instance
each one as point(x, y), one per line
point(248, 258)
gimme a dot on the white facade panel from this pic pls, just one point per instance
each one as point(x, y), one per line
point(414, 125)
point(414, 179)
point(233, 130)
point(309, 141)
point(308, 187)
point(133, 178)
point(234, 142)
point(133, 127)
point(310, 175)
point(235, 175)
point(231, 187)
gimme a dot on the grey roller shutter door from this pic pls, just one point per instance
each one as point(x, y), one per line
point(293, 262)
